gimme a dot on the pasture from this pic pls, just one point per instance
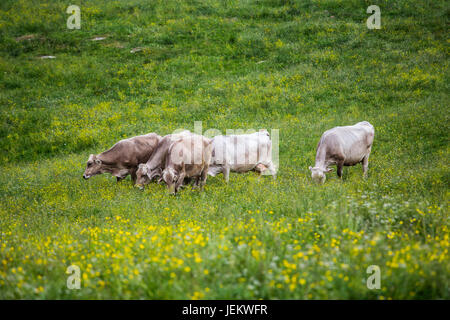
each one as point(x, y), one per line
point(301, 67)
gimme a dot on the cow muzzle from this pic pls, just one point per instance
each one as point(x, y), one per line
point(172, 190)
point(86, 176)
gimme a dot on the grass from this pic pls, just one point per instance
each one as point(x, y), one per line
point(298, 66)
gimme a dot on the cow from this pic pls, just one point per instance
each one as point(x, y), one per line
point(188, 157)
point(241, 153)
point(154, 166)
point(123, 158)
point(343, 146)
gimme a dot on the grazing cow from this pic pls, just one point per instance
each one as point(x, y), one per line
point(154, 166)
point(241, 153)
point(123, 158)
point(188, 157)
point(343, 146)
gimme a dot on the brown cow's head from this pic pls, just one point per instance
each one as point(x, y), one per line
point(93, 167)
point(142, 177)
point(170, 177)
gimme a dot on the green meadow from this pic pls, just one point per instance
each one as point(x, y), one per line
point(300, 67)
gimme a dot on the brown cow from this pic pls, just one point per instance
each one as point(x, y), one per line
point(187, 157)
point(154, 166)
point(123, 158)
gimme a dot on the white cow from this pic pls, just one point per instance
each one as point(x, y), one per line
point(242, 153)
point(343, 146)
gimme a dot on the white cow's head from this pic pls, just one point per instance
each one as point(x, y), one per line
point(318, 174)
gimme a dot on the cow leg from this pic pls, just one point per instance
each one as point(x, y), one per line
point(340, 166)
point(226, 173)
point(365, 165)
point(186, 181)
point(272, 170)
point(202, 178)
point(133, 176)
point(196, 182)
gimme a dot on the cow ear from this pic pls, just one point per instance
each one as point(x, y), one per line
point(91, 157)
point(98, 161)
point(143, 167)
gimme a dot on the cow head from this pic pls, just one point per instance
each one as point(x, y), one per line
point(318, 174)
point(93, 167)
point(170, 177)
point(142, 177)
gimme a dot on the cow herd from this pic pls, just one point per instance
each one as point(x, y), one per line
point(179, 158)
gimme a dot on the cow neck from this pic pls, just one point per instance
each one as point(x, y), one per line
point(104, 160)
point(320, 159)
point(156, 161)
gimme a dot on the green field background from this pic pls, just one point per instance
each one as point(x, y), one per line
point(301, 67)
